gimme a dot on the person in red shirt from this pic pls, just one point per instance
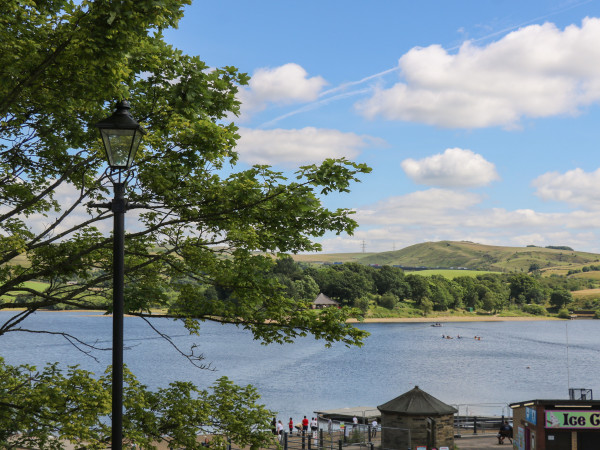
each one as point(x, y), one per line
point(291, 425)
point(304, 425)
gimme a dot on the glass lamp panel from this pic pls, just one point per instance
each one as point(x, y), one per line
point(118, 145)
point(137, 140)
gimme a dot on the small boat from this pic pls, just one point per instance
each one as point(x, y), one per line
point(437, 324)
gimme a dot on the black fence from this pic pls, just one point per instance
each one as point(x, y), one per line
point(464, 425)
point(335, 437)
point(340, 435)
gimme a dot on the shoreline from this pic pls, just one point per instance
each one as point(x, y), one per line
point(446, 319)
point(436, 319)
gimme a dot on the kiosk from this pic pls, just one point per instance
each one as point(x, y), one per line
point(556, 425)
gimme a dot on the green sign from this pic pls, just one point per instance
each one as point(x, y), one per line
point(559, 418)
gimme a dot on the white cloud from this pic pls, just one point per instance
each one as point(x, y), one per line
point(281, 85)
point(453, 168)
point(444, 214)
point(536, 71)
point(433, 207)
point(574, 187)
point(292, 147)
point(66, 195)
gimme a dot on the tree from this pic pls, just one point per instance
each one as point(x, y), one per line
point(525, 289)
point(439, 293)
point(62, 64)
point(560, 298)
point(390, 279)
point(75, 406)
point(419, 287)
point(288, 267)
point(307, 288)
point(470, 290)
point(346, 282)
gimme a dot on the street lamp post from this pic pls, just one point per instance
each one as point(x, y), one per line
point(121, 136)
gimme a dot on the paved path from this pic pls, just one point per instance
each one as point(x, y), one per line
point(481, 443)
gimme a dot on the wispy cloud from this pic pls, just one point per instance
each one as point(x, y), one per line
point(333, 94)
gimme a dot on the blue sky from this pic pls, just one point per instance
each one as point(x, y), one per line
point(480, 119)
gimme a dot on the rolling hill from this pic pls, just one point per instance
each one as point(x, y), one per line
point(469, 255)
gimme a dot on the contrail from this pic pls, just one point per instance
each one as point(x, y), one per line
point(314, 105)
point(528, 22)
point(354, 83)
point(344, 86)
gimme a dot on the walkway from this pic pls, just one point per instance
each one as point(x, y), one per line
point(481, 442)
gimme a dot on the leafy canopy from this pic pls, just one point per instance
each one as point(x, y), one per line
point(63, 63)
point(55, 406)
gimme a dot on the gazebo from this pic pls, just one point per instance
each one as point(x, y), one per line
point(416, 419)
point(322, 301)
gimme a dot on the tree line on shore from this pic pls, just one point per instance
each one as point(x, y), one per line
point(385, 290)
point(366, 287)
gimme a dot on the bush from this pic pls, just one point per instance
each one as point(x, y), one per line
point(564, 314)
point(536, 310)
point(388, 300)
point(426, 306)
point(362, 304)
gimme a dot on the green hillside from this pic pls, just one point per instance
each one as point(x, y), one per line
point(467, 254)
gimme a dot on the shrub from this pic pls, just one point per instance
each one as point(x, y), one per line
point(564, 314)
point(388, 300)
point(362, 304)
point(536, 310)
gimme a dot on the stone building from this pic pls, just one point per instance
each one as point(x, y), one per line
point(416, 419)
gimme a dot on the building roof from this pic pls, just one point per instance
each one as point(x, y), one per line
point(360, 412)
point(322, 299)
point(418, 403)
point(557, 403)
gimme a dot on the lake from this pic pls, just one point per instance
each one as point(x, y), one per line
point(513, 361)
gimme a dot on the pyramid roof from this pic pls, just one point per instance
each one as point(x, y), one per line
point(322, 299)
point(418, 403)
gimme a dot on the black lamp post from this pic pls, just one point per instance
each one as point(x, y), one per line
point(121, 136)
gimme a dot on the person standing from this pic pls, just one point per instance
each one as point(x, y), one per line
point(291, 426)
point(274, 425)
point(374, 427)
point(304, 425)
point(279, 430)
point(314, 425)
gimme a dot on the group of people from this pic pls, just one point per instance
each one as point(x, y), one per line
point(444, 336)
point(302, 427)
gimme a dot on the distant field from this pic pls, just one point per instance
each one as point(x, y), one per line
point(451, 273)
point(587, 275)
point(330, 257)
point(586, 293)
point(37, 285)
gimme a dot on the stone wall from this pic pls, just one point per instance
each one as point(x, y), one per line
point(394, 431)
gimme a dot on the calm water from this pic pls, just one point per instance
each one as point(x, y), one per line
point(513, 361)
